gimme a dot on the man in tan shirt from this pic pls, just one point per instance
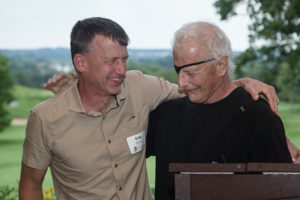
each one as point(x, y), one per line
point(92, 134)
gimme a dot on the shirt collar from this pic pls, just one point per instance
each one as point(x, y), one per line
point(123, 94)
point(74, 101)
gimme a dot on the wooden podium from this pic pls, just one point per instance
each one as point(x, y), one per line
point(236, 181)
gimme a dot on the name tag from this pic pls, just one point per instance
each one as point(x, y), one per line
point(136, 142)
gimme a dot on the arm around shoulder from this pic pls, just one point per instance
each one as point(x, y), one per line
point(31, 180)
point(60, 82)
point(256, 88)
point(155, 90)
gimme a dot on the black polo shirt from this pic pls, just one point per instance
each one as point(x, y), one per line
point(235, 129)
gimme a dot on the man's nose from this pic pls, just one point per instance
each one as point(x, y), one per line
point(120, 67)
point(182, 79)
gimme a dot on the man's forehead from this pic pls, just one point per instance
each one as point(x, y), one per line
point(104, 40)
point(116, 53)
point(189, 55)
point(108, 44)
point(113, 53)
point(190, 48)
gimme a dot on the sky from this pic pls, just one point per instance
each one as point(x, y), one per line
point(150, 24)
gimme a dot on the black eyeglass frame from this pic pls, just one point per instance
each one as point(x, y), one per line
point(178, 68)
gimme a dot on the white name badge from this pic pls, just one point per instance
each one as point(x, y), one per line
point(136, 142)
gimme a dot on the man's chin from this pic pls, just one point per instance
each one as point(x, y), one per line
point(116, 92)
point(194, 98)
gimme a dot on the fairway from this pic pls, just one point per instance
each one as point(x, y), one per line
point(11, 141)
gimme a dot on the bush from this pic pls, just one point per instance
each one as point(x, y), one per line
point(6, 83)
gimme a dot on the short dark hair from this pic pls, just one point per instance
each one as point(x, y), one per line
point(84, 31)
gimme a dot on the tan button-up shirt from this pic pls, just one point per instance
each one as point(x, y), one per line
point(94, 155)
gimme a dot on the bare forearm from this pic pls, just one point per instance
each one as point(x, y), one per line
point(28, 191)
point(30, 187)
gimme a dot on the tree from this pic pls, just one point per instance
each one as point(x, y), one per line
point(153, 69)
point(275, 26)
point(6, 83)
point(289, 81)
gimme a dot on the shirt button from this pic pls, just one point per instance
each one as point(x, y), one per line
point(116, 165)
point(120, 188)
point(109, 141)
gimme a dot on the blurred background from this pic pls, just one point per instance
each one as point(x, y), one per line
point(34, 45)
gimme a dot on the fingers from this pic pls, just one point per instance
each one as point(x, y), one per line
point(52, 81)
point(74, 75)
point(60, 77)
point(58, 82)
point(270, 94)
point(256, 88)
point(254, 93)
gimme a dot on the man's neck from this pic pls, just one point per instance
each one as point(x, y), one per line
point(93, 101)
point(222, 90)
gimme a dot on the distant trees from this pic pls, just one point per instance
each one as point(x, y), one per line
point(32, 68)
point(6, 84)
point(153, 68)
point(274, 52)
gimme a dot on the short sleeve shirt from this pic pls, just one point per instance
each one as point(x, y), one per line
point(94, 155)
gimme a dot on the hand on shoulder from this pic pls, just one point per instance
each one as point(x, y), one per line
point(60, 82)
point(256, 88)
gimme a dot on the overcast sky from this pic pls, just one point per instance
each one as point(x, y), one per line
point(29, 24)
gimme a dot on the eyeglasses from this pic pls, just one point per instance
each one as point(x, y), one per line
point(178, 68)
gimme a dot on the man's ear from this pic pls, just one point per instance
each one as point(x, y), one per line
point(223, 66)
point(79, 62)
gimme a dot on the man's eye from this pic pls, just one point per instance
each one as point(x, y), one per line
point(191, 74)
point(110, 62)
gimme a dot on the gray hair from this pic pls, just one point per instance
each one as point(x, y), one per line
point(206, 34)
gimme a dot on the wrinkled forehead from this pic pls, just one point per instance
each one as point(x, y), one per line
point(190, 51)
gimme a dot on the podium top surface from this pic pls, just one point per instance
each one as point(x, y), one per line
point(234, 167)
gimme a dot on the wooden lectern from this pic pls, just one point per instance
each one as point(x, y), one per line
point(236, 181)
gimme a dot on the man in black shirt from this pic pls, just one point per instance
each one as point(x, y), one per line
point(217, 121)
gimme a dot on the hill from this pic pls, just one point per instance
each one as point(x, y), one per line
point(33, 67)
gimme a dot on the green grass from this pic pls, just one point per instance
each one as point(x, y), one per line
point(10, 154)
point(151, 170)
point(291, 121)
point(27, 98)
point(11, 141)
